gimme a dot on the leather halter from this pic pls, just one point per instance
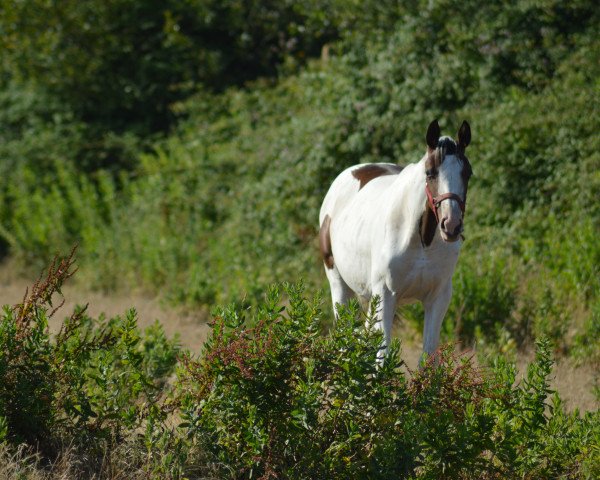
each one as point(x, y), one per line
point(434, 202)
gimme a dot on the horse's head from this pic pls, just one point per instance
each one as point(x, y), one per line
point(447, 171)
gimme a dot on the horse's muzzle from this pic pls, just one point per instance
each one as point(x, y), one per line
point(451, 236)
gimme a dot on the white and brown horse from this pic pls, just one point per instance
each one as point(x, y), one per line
point(395, 232)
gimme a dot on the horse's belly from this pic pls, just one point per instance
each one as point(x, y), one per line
point(355, 273)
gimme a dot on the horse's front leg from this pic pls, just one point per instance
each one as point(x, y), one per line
point(384, 317)
point(435, 305)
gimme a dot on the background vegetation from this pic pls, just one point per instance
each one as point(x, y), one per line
point(186, 145)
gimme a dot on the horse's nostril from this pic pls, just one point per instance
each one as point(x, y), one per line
point(459, 228)
point(443, 223)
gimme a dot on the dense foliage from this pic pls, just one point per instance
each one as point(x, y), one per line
point(270, 397)
point(227, 203)
point(273, 398)
point(90, 386)
point(120, 65)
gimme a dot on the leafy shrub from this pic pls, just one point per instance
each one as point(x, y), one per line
point(91, 385)
point(272, 398)
point(483, 299)
point(587, 341)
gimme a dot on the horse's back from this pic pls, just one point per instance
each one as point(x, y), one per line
point(350, 182)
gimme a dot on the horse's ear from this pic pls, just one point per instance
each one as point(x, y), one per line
point(433, 134)
point(464, 135)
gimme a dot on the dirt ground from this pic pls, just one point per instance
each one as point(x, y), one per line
point(574, 383)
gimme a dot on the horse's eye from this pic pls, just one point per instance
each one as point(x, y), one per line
point(431, 173)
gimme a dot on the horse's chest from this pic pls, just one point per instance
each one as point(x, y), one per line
point(415, 276)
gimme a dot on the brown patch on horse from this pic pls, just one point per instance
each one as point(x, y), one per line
point(368, 172)
point(427, 227)
point(325, 242)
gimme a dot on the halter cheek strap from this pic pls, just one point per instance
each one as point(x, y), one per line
point(434, 202)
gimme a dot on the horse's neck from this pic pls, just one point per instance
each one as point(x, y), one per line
point(410, 202)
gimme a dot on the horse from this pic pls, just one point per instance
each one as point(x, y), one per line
point(394, 233)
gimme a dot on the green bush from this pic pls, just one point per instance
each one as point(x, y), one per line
point(483, 300)
point(91, 385)
point(272, 398)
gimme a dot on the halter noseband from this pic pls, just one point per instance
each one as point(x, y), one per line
point(434, 202)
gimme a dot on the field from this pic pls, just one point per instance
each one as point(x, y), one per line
point(186, 148)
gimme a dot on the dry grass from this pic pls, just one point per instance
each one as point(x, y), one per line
point(20, 465)
point(23, 465)
point(191, 327)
